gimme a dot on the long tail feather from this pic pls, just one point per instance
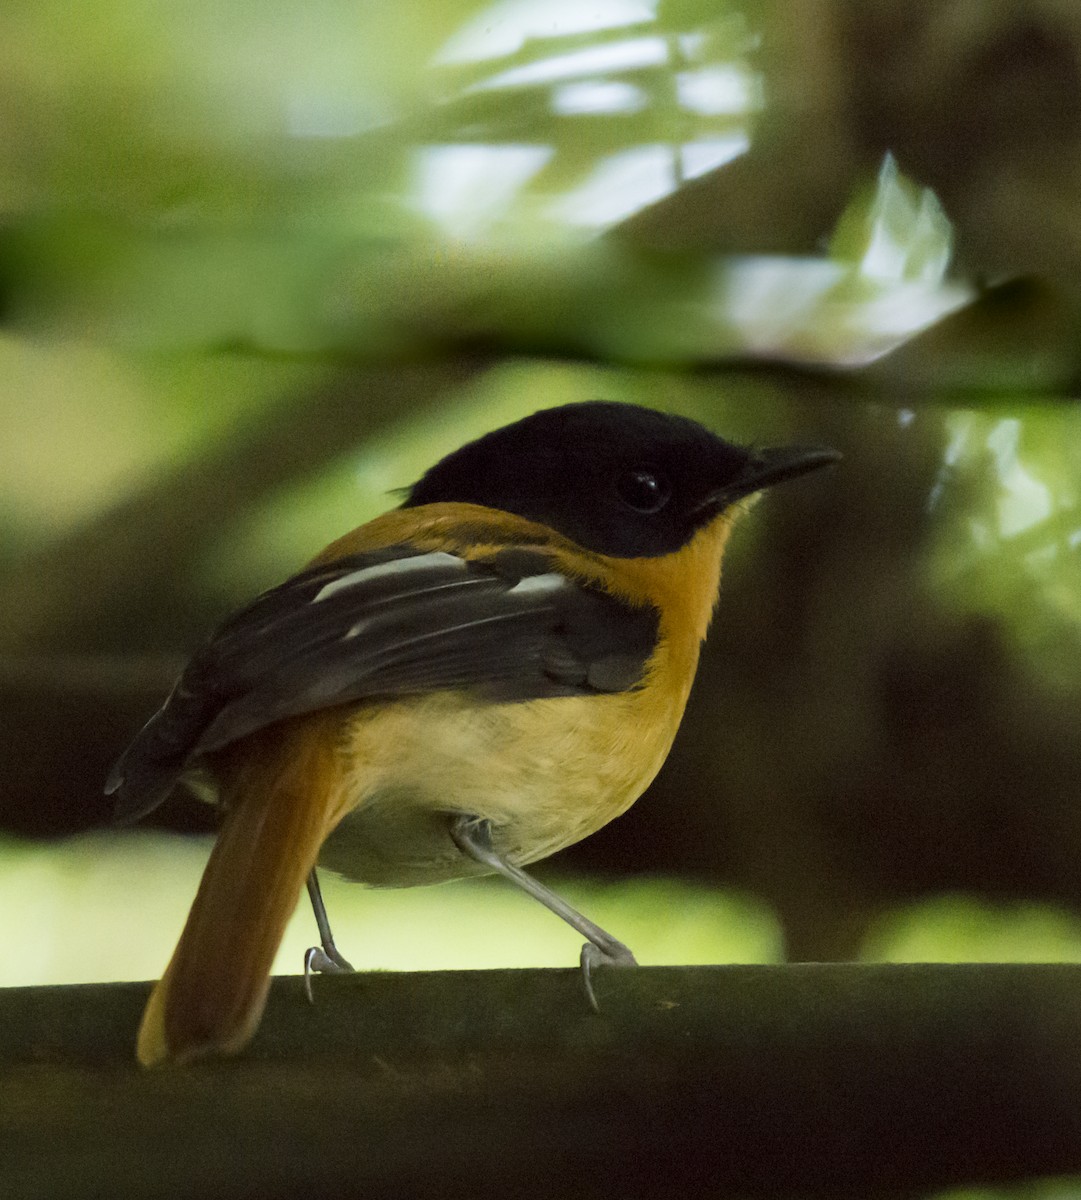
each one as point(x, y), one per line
point(282, 792)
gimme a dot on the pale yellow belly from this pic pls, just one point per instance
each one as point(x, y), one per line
point(413, 765)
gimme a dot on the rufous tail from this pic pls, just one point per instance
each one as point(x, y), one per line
point(280, 788)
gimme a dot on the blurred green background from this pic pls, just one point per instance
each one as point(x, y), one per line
point(260, 265)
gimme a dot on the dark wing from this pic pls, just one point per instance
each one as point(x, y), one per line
point(389, 623)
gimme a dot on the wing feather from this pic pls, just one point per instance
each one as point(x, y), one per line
point(395, 622)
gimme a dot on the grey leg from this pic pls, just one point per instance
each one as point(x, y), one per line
point(473, 836)
point(325, 958)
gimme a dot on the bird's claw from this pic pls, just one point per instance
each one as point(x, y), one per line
point(326, 962)
point(615, 954)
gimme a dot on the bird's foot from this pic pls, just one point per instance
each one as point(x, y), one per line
point(611, 954)
point(326, 961)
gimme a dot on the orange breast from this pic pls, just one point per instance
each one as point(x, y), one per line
point(545, 772)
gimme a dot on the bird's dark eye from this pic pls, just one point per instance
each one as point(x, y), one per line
point(645, 490)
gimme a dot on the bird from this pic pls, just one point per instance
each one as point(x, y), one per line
point(464, 685)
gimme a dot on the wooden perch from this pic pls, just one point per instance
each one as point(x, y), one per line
point(812, 1080)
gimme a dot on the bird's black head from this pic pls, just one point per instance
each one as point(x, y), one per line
point(615, 478)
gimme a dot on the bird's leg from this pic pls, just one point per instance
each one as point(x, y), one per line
point(325, 958)
point(473, 836)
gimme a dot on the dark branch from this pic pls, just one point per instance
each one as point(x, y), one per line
point(813, 1080)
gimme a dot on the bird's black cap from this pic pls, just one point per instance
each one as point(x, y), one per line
point(615, 478)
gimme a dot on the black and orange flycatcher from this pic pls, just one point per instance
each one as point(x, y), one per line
point(462, 686)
